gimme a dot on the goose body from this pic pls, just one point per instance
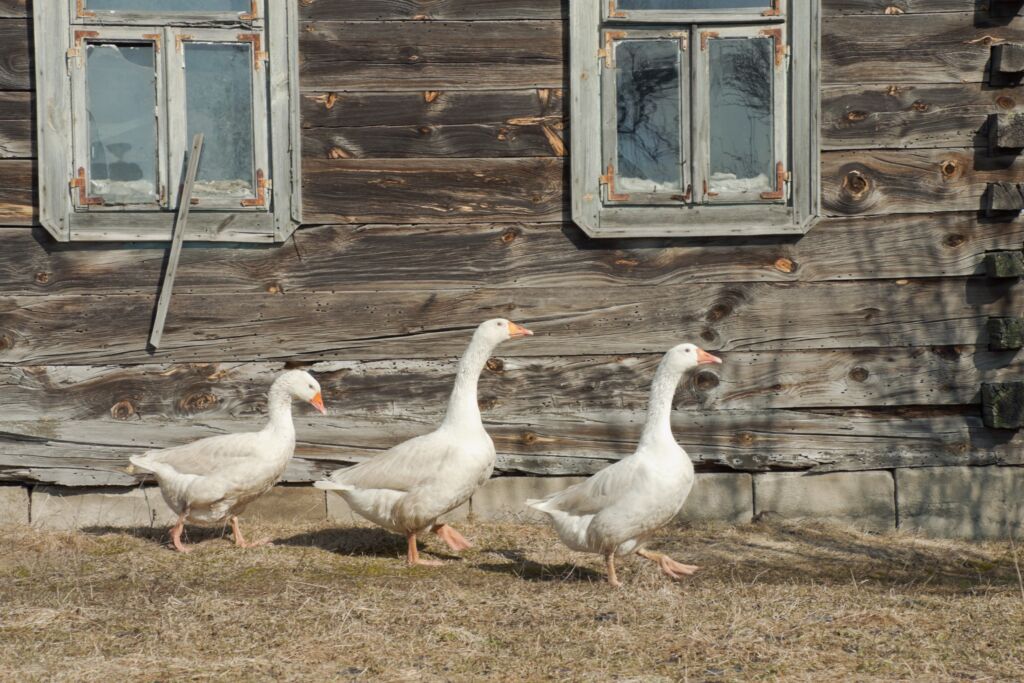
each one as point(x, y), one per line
point(613, 512)
point(408, 487)
point(213, 479)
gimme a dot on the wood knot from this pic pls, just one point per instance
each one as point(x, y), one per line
point(430, 95)
point(529, 438)
point(486, 404)
point(785, 265)
point(954, 240)
point(330, 99)
point(509, 235)
point(706, 381)
point(950, 353)
point(275, 288)
point(918, 105)
point(1006, 102)
point(859, 374)
point(744, 438)
point(856, 185)
point(717, 312)
point(627, 262)
point(425, 130)
point(708, 335)
point(856, 116)
point(198, 402)
point(122, 410)
point(42, 278)
point(495, 365)
point(337, 153)
point(949, 168)
point(5, 342)
point(408, 55)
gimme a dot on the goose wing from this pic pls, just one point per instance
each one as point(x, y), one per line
point(401, 468)
point(600, 491)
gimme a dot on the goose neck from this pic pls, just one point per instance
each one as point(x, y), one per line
point(279, 405)
point(462, 405)
point(659, 409)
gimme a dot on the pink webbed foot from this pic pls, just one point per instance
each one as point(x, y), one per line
point(456, 541)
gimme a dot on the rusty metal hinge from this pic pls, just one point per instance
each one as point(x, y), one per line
point(77, 50)
point(614, 11)
point(607, 53)
point(708, 192)
point(608, 180)
point(155, 37)
point(253, 13)
point(179, 42)
point(262, 185)
point(782, 176)
point(683, 197)
point(81, 12)
point(705, 36)
point(79, 183)
point(780, 45)
point(775, 11)
point(258, 55)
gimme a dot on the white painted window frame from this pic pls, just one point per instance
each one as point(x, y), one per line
point(276, 125)
point(798, 141)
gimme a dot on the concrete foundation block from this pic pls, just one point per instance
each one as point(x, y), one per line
point(285, 504)
point(724, 497)
point(73, 508)
point(866, 500)
point(339, 511)
point(13, 505)
point(962, 502)
point(504, 498)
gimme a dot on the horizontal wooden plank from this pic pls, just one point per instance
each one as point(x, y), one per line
point(863, 182)
point(403, 55)
point(17, 192)
point(909, 116)
point(14, 8)
point(434, 190)
point(944, 47)
point(404, 257)
point(423, 324)
point(89, 453)
point(496, 123)
point(15, 54)
point(375, 10)
point(888, 7)
point(17, 125)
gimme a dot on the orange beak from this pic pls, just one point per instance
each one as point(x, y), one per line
point(318, 403)
point(516, 331)
point(703, 357)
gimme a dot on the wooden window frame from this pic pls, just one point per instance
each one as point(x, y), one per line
point(273, 212)
point(792, 213)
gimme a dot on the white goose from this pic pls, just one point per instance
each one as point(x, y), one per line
point(406, 488)
point(213, 479)
point(614, 511)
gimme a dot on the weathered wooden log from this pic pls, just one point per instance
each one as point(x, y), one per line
point(1003, 197)
point(1002, 405)
point(1005, 334)
point(1008, 58)
point(1004, 264)
point(1006, 131)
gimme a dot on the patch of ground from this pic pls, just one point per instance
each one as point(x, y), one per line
point(772, 601)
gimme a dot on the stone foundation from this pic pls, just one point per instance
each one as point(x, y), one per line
point(955, 502)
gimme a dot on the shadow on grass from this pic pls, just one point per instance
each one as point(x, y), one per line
point(522, 567)
point(370, 541)
point(192, 535)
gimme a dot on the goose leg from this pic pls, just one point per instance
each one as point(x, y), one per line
point(413, 557)
point(240, 539)
point(669, 567)
point(613, 578)
point(176, 530)
point(456, 541)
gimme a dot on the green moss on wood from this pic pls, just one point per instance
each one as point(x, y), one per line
point(1005, 334)
point(1002, 405)
point(1004, 264)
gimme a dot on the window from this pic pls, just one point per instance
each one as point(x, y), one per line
point(123, 85)
point(694, 117)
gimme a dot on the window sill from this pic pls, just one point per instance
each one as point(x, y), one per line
point(650, 221)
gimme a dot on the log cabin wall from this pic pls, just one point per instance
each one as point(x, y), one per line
point(436, 195)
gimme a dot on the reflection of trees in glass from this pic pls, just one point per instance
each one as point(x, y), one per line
point(648, 110)
point(741, 106)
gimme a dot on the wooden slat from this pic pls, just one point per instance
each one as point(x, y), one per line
point(433, 190)
point(496, 123)
point(375, 10)
point(890, 116)
point(80, 453)
point(452, 257)
point(616, 320)
point(887, 7)
point(17, 192)
point(14, 9)
point(948, 47)
point(17, 125)
point(15, 54)
point(912, 181)
point(405, 55)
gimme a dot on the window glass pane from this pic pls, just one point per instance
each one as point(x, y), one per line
point(121, 107)
point(694, 4)
point(741, 115)
point(218, 89)
point(647, 99)
point(170, 6)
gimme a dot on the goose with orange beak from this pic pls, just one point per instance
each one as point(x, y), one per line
point(212, 480)
point(407, 488)
point(615, 511)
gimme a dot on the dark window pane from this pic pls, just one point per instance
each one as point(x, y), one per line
point(170, 6)
point(218, 88)
point(694, 4)
point(647, 99)
point(121, 106)
point(741, 115)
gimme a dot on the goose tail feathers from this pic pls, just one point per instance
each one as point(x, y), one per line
point(329, 485)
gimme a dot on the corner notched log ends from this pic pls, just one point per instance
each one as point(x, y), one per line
point(1007, 64)
point(1006, 131)
point(1002, 405)
point(1005, 334)
point(1003, 198)
point(1004, 264)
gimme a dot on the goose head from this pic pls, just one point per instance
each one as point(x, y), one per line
point(685, 357)
point(497, 330)
point(300, 385)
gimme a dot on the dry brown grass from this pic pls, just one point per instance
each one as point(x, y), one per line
point(791, 602)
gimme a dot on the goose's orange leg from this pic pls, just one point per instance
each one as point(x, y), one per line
point(613, 578)
point(456, 541)
point(240, 539)
point(669, 567)
point(176, 530)
point(413, 557)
